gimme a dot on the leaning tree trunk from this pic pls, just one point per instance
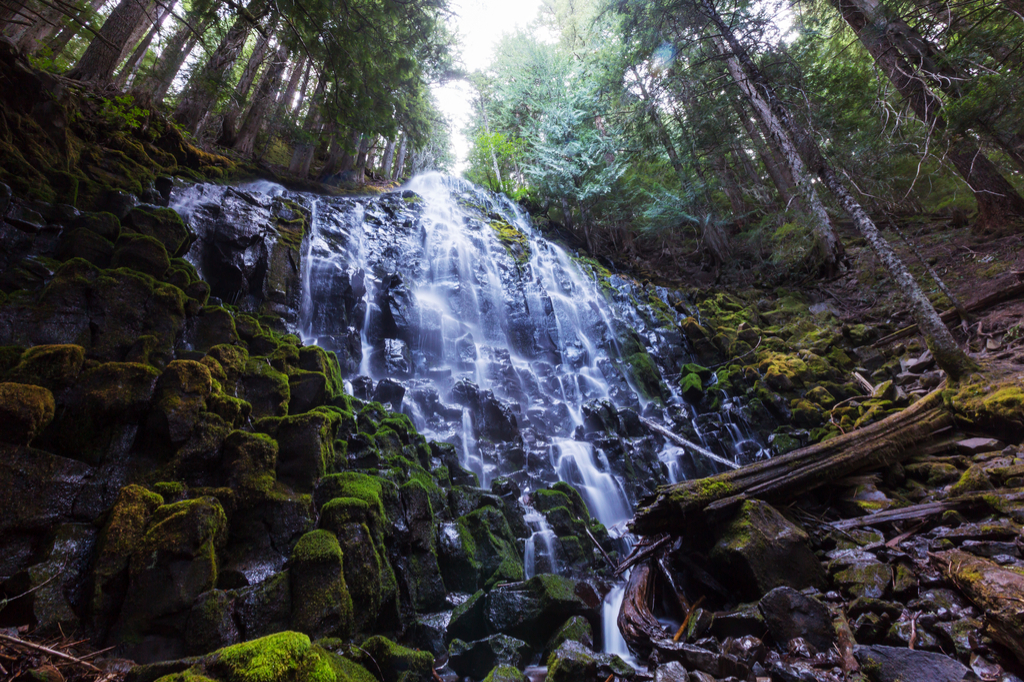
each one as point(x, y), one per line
point(72, 27)
point(949, 356)
point(997, 199)
point(200, 95)
point(131, 67)
point(181, 43)
point(47, 21)
point(103, 54)
point(286, 101)
point(829, 249)
point(237, 102)
point(261, 102)
point(769, 159)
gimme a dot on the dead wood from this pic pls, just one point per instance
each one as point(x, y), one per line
point(674, 508)
point(48, 651)
point(951, 314)
point(929, 509)
point(997, 591)
point(644, 634)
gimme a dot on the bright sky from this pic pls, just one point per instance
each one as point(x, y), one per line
point(479, 24)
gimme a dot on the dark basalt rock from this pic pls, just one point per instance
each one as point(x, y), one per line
point(535, 609)
point(893, 664)
point(790, 614)
point(476, 659)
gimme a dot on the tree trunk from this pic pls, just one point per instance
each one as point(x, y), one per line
point(45, 23)
point(490, 147)
point(829, 249)
point(302, 156)
point(131, 67)
point(237, 102)
point(769, 159)
point(364, 149)
point(199, 97)
point(102, 56)
point(285, 103)
point(949, 356)
point(181, 43)
point(72, 28)
point(400, 165)
point(389, 155)
point(261, 102)
point(997, 199)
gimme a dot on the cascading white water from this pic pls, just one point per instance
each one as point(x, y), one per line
point(499, 346)
point(539, 553)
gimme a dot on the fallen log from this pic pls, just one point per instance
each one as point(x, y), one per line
point(683, 443)
point(997, 591)
point(674, 508)
point(928, 509)
point(951, 314)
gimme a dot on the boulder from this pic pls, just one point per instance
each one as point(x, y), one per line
point(142, 253)
point(760, 550)
point(478, 550)
point(571, 662)
point(534, 610)
point(321, 603)
point(164, 225)
point(790, 614)
point(25, 410)
point(895, 664)
point(477, 658)
point(394, 663)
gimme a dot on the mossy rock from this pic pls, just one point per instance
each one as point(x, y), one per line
point(975, 479)
point(306, 446)
point(759, 549)
point(265, 388)
point(645, 375)
point(307, 390)
point(321, 603)
point(993, 407)
point(104, 224)
point(481, 553)
point(571, 662)
point(932, 473)
point(25, 410)
point(142, 253)
point(820, 396)
point(369, 576)
point(250, 460)
point(576, 629)
point(535, 609)
point(85, 244)
point(692, 387)
point(396, 663)
point(214, 326)
point(181, 394)
point(279, 657)
point(505, 673)
point(164, 225)
point(55, 367)
point(121, 535)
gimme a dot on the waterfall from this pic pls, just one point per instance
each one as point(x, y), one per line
point(526, 358)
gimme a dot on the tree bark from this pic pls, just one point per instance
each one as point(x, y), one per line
point(490, 147)
point(285, 102)
point(400, 165)
point(72, 28)
point(389, 157)
point(131, 67)
point(261, 102)
point(302, 156)
point(997, 199)
point(829, 248)
point(200, 95)
point(240, 96)
point(949, 356)
point(181, 43)
point(102, 56)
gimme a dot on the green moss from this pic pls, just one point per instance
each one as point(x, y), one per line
point(645, 375)
point(395, 662)
point(701, 492)
point(270, 659)
point(990, 406)
point(975, 479)
point(514, 241)
point(317, 545)
point(168, 490)
point(188, 527)
point(25, 410)
point(52, 366)
point(321, 603)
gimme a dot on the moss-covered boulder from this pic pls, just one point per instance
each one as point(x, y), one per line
point(396, 663)
point(534, 610)
point(87, 245)
point(181, 394)
point(105, 225)
point(282, 656)
point(759, 549)
point(121, 534)
point(25, 410)
point(576, 629)
point(307, 389)
point(211, 623)
point(138, 252)
point(479, 551)
point(174, 562)
point(475, 659)
point(263, 387)
point(571, 662)
point(321, 603)
point(306, 446)
point(162, 224)
point(55, 367)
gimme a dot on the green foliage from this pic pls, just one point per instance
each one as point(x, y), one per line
point(121, 112)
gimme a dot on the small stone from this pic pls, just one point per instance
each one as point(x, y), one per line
point(973, 446)
point(993, 344)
